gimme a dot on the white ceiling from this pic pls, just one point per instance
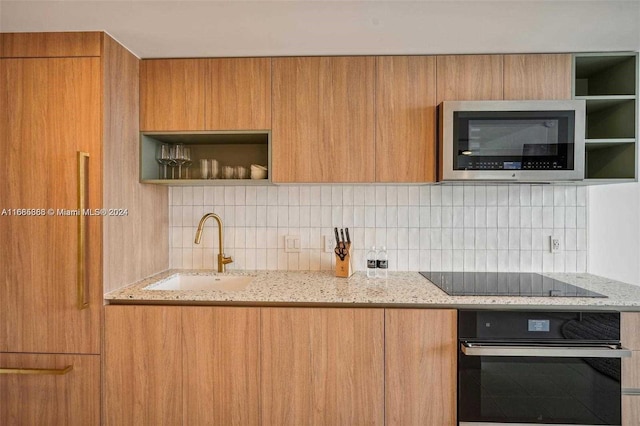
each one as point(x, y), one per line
point(154, 29)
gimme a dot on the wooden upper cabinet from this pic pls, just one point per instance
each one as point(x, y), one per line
point(238, 94)
point(322, 366)
point(420, 367)
point(172, 94)
point(537, 76)
point(205, 94)
point(323, 119)
point(405, 118)
point(469, 77)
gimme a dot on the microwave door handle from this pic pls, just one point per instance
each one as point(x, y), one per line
point(601, 351)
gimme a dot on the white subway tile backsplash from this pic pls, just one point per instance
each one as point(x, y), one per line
point(463, 227)
point(425, 195)
point(458, 195)
point(436, 195)
point(414, 196)
point(492, 195)
point(536, 195)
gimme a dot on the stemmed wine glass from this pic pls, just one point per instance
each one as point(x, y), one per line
point(179, 158)
point(163, 155)
point(173, 162)
point(187, 161)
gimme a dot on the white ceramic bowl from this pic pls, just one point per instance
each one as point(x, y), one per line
point(258, 172)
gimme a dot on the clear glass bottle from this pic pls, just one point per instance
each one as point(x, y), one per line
point(371, 263)
point(382, 263)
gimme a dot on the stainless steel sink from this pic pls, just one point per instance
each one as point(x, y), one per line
point(202, 282)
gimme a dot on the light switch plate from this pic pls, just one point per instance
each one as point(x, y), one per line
point(292, 244)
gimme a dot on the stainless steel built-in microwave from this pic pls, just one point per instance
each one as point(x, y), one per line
point(527, 141)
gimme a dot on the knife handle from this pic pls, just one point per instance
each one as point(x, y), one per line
point(346, 231)
point(337, 237)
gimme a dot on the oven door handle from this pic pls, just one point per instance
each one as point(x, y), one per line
point(595, 351)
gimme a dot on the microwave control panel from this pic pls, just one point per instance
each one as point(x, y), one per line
point(485, 164)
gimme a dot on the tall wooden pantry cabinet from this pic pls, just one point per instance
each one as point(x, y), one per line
point(69, 105)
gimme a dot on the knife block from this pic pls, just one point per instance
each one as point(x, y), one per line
point(344, 268)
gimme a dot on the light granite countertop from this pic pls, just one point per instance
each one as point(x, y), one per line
point(400, 289)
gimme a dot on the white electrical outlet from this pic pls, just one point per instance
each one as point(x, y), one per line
point(327, 243)
point(554, 244)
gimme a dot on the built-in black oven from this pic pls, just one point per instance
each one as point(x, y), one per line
point(531, 368)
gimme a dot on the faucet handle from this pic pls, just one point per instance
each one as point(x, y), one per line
point(226, 259)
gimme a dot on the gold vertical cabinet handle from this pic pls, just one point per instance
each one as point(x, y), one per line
point(83, 164)
point(42, 371)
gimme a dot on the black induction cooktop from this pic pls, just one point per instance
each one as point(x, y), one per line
point(504, 284)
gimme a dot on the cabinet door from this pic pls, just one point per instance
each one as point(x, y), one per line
point(420, 367)
point(630, 410)
point(50, 110)
point(39, 389)
point(322, 366)
point(323, 119)
point(469, 77)
point(238, 95)
point(221, 365)
point(172, 94)
point(405, 119)
point(143, 365)
point(545, 76)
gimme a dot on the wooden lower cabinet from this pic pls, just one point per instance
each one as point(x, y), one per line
point(52, 393)
point(196, 365)
point(630, 410)
point(322, 366)
point(173, 365)
point(629, 326)
point(420, 367)
point(220, 359)
point(143, 365)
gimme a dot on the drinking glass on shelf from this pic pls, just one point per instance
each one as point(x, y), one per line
point(214, 169)
point(164, 158)
point(227, 172)
point(179, 158)
point(205, 173)
point(187, 161)
point(173, 162)
point(241, 172)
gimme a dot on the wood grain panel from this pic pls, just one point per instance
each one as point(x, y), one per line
point(630, 410)
point(540, 76)
point(238, 94)
point(54, 112)
point(143, 365)
point(296, 117)
point(347, 113)
point(323, 119)
point(221, 365)
point(469, 77)
point(172, 94)
point(322, 366)
point(70, 399)
point(630, 330)
point(405, 119)
point(420, 367)
point(59, 44)
point(135, 245)
point(631, 371)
